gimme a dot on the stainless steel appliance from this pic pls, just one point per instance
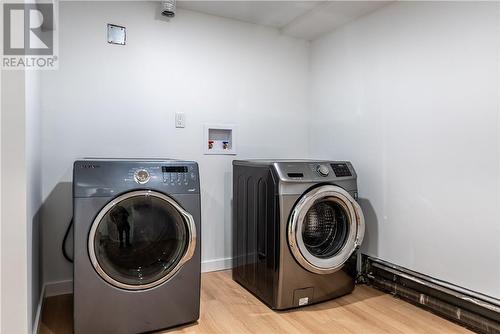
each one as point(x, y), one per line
point(137, 245)
point(296, 228)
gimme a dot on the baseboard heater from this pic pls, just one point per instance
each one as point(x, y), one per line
point(475, 311)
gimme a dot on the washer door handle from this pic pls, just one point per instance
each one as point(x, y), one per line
point(360, 223)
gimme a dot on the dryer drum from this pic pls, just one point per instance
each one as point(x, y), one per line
point(140, 239)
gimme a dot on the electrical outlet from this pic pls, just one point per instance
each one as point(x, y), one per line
point(180, 120)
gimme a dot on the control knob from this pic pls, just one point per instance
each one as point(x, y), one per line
point(323, 170)
point(141, 176)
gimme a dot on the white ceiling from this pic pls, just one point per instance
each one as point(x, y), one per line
point(302, 19)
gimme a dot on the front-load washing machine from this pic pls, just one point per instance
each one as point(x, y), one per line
point(296, 228)
point(137, 245)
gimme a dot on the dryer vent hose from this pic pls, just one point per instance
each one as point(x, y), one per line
point(65, 253)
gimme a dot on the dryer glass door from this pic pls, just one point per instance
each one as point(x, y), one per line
point(141, 239)
point(326, 226)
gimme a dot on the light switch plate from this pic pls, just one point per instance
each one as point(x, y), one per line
point(180, 120)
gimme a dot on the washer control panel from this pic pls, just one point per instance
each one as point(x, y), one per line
point(314, 171)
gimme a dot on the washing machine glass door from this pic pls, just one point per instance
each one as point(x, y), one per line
point(326, 226)
point(141, 239)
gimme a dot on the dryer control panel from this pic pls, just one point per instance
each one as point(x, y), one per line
point(111, 177)
point(178, 175)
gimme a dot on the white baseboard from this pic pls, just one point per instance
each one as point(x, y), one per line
point(38, 315)
point(216, 264)
point(58, 288)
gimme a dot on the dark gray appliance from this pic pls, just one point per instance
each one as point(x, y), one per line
point(296, 229)
point(137, 245)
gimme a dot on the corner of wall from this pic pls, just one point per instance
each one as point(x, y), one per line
point(15, 299)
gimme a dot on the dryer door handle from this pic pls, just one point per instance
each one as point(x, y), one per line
point(191, 227)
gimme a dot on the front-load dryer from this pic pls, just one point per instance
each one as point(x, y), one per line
point(137, 245)
point(296, 228)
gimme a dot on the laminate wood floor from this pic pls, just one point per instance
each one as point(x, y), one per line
point(228, 308)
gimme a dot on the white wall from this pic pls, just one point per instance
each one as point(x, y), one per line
point(410, 94)
point(20, 200)
point(14, 262)
point(119, 101)
point(1, 202)
point(34, 188)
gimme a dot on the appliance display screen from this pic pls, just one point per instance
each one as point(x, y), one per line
point(341, 170)
point(174, 169)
